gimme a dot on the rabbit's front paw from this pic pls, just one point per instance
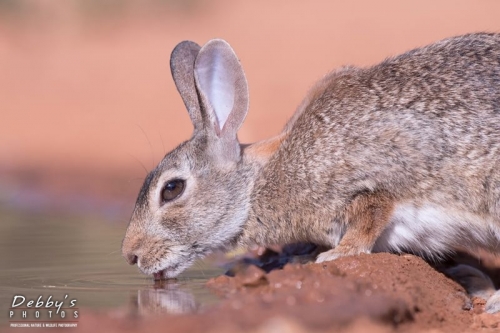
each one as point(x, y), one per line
point(367, 215)
point(336, 253)
point(327, 256)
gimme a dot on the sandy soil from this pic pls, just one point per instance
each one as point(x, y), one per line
point(86, 98)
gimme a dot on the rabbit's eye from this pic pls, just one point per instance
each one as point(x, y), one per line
point(172, 190)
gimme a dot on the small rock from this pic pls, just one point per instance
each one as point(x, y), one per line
point(251, 276)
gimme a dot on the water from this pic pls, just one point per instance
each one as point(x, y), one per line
point(79, 256)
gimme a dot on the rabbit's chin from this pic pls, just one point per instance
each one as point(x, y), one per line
point(167, 267)
point(166, 274)
point(171, 267)
point(159, 275)
point(170, 272)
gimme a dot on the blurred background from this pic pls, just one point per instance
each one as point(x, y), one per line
point(87, 106)
point(87, 101)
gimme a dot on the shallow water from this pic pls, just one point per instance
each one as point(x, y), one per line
point(79, 256)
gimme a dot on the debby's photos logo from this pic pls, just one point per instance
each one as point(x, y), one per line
point(43, 312)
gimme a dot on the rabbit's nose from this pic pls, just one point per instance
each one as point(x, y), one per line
point(131, 258)
point(131, 246)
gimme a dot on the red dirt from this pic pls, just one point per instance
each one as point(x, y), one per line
point(366, 293)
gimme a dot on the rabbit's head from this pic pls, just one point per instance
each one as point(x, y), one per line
point(195, 200)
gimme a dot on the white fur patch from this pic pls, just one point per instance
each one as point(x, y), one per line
point(433, 231)
point(338, 230)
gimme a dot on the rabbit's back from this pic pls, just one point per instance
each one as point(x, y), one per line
point(423, 127)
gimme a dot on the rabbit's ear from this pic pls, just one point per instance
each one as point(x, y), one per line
point(222, 88)
point(182, 67)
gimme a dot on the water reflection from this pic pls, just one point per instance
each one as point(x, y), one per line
point(165, 297)
point(45, 255)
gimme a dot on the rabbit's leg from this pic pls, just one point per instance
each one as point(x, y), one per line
point(473, 280)
point(477, 284)
point(367, 216)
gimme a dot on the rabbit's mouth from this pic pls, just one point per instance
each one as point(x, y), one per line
point(159, 275)
point(168, 266)
point(169, 271)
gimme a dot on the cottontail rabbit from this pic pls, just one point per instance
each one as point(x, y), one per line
point(401, 156)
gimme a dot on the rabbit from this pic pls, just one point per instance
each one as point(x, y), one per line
point(403, 156)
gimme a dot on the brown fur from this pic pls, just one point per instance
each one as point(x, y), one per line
point(261, 151)
point(401, 156)
point(366, 218)
point(410, 126)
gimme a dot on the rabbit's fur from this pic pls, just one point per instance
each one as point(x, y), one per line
point(401, 156)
